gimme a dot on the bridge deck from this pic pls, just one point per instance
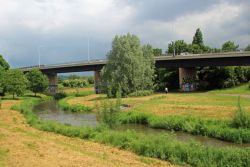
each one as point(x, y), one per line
point(214, 59)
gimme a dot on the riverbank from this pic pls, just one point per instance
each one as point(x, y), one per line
point(161, 146)
point(24, 146)
point(203, 113)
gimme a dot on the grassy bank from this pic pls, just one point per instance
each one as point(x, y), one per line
point(206, 114)
point(200, 105)
point(24, 146)
point(162, 147)
point(63, 104)
point(213, 128)
point(242, 90)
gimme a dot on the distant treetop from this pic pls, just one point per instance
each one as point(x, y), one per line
point(198, 38)
point(3, 63)
point(229, 46)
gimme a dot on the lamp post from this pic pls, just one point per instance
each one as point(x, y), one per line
point(39, 55)
point(88, 49)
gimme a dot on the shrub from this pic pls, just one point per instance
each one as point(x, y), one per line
point(108, 112)
point(141, 93)
point(75, 83)
point(60, 95)
point(241, 118)
point(91, 80)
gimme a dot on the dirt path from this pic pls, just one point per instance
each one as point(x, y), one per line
point(23, 146)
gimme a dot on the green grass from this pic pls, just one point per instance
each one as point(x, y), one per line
point(64, 105)
point(243, 90)
point(3, 155)
point(223, 130)
point(162, 147)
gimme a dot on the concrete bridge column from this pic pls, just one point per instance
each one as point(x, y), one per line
point(52, 83)
point(187, 79)
point(97, 81)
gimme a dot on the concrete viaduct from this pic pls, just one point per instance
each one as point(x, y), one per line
point(185, 63)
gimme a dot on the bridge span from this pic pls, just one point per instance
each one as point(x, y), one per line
point(185, 63)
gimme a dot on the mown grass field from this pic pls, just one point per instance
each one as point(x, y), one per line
point(219, 104)
point(24, 146)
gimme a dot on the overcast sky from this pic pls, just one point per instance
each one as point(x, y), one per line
point(60, 29)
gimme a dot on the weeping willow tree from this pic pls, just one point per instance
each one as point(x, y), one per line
point(130, 67)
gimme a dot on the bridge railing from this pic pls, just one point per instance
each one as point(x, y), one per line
point(164, 56)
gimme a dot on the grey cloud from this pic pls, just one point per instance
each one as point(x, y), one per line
point(65, 43)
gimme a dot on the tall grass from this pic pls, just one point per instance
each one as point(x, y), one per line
point(196, 126)
point(241, 118)
point(108, 112)
point(162, 147)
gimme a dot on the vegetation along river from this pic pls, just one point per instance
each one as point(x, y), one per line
point(51, 111)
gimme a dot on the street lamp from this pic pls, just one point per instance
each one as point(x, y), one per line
point(39, 55)
point(88, 49)
point(173, 45)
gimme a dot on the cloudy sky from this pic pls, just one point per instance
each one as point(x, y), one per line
point(60, 29)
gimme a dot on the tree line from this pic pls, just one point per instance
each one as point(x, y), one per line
point(197, 46)
point(15, 82)
point(131, 70)
point(130, 67)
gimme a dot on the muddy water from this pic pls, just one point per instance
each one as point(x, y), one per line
point(51, 111)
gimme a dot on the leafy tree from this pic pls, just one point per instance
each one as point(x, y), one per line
point(157, 51)
point(3, 67)
point(195, 49)
point(180, 46)
point(2, 74)
point(15, 82)
point(229, 46)
point(3, 63)
point(247, 48)
point(198, 38)
point(130, 67)
point(37, 81)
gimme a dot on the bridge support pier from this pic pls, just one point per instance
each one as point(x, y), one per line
point(52, 83)
point(97, 82)
point(187, 79)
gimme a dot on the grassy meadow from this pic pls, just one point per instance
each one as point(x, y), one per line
point(219, 104)
point(201, 113)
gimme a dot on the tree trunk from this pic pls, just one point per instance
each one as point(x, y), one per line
point(13, 96)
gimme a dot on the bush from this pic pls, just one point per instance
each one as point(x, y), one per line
point(241, 118)
point(141, 93)
point(75, 83)
point(60, 95)
point(108, 112)
point(91, 80)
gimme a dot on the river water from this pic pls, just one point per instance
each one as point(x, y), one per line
point(51, 111)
